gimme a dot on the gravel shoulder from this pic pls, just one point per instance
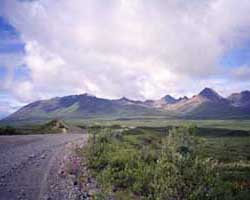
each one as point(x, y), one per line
point(34, 166)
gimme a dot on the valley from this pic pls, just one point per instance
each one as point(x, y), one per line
point(124, 100)
point(128, 144)
point(208, 104)
point(66, 165)
point(145, 162)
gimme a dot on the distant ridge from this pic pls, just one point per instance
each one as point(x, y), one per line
point(240, 99)
point(169, 99)
point(210, 94)
point(208, 104)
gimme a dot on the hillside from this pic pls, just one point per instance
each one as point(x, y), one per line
point(82, 106)
point(208, 104)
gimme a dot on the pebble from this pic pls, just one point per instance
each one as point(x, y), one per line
point(91, 192)
point(22, 192)
point(61, 172)
point(31, 156)
point(85, 195)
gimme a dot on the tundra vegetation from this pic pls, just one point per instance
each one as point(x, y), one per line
point(168, 163)
point(8, 130)
point(53, 126)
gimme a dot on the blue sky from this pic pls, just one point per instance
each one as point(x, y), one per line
point(10, 45)
point(121, 48)
point(10, 38)
point(237, 56)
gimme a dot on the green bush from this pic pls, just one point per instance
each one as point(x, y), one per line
point(8, 130)
point(173, 171)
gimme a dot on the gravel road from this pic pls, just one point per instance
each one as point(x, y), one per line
point(28, 165)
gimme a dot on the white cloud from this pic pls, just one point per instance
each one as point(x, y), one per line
point(8, 105)
point(133, 48)
point(9, 61)
point(241, 73)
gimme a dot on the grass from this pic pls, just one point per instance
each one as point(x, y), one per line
point(51, 127)
point(138, 147)
point(146, 121)
point(161, 122)
point(8, 130)
point(129, 164)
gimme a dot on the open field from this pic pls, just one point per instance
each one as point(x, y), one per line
point(149, 122)
point(160, 122)
point(125, 161)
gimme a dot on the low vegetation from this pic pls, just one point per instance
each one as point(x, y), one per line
point(168, 163)
point(51, 127)
point(152, 121)
point(8, 130)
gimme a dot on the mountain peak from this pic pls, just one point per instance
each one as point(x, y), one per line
point(207, 104)
point(207, 90)
point(183, 98)
point(88, 95)
point(124, 99)
point(169, 99)
point(240, 99)
point(246, 92)
point(210, 94)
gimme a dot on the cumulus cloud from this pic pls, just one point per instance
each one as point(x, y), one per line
point(134, 48)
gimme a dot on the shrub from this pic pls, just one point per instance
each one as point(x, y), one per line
point(174, 171)
point(8, 130)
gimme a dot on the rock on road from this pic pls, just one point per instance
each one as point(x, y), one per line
point(27, 163)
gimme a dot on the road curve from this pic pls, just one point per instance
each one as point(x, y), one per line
point(26, 163)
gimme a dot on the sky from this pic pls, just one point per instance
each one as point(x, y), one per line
point(141, 49)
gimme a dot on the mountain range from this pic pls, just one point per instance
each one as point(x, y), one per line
point(208, 104)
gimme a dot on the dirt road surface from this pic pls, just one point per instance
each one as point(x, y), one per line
point(29, 166)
